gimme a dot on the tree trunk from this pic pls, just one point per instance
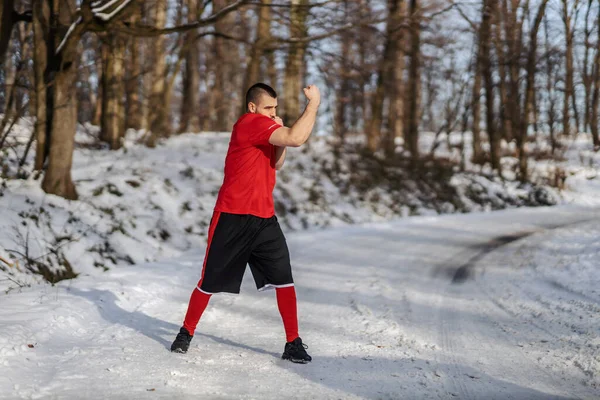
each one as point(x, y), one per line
point(24, 32)
point(360, 99)
point(594, 120)
point(6, 26)
point(529, 91)
point(98, 104)
point(257, 50)
point(86, 95)
point(396, 104)
point(157, 116)
point(486, 67)
point(271, 68)
point(343, 93)
point(551, 113)
point(133, 113)
point(568, 68)
point(414, 82)
point(145, 82)
point(57, 179)
point(513, 34)
point(190, 117)
point(294, 69)
point(218, 107)
point(384, 76)
point(101, 58)
point(476, 99)
point(585, 71)
point(41, 26)
point(113, 124)
point(9, 82)
point(506, 132)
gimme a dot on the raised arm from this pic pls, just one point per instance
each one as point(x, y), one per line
point(300, 131)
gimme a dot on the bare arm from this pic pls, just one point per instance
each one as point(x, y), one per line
point(300, 131)
point(280, 153)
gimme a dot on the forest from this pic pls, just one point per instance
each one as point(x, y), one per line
point(520, 77)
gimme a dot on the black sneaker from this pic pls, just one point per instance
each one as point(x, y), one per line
point(295, 352)
point(182, 341)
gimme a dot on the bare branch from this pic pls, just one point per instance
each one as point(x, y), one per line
point(150, 31)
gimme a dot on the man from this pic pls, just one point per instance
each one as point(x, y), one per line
point(244, 229)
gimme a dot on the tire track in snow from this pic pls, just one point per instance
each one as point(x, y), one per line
point(452, 329)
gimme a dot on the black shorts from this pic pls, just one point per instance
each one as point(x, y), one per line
point(235, 240)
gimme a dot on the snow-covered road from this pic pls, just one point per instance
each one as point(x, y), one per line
point(427, 307)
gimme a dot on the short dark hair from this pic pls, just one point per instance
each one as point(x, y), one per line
point(257, 90)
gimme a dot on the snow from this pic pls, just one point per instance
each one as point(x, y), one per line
point(377, 307)
point(554, 284)
point(501, 304)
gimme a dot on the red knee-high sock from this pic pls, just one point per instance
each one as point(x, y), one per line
point(286, 301)
point(198, 302)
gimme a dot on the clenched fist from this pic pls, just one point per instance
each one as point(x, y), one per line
point(278, 120)
point(312, 94)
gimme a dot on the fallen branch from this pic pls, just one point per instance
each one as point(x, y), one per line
point(6, 262)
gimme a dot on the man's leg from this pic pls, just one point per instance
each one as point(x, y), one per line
point(286, 301)
point(295, 349)
point(270, 266)
point(227, 252)
point(198, 302)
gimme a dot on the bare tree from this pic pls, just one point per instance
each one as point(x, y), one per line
point(397, 87)
point(343, 96)
point(385, 73)
point(60, 31)
point(133, 114)
point(505, 123)
point(257, 50)
point(476, 101)
point(9, 17)
point(486, 70)
point(595, 104)
point(41, 27)
point(63, 122)
point(413, 92)
point(190, 117)
point(159, 123)
point(113, 79)
point(567, 16)
point(530, 70)
point(294, 69)
point(551, 113)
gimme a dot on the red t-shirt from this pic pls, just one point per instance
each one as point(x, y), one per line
point(249, 168)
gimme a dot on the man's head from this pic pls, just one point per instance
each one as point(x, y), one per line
point(262, 99)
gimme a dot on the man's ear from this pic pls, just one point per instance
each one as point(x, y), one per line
point(251, 107)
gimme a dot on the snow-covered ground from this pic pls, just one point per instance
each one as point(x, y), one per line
point(380, 307)
point(501, 304)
